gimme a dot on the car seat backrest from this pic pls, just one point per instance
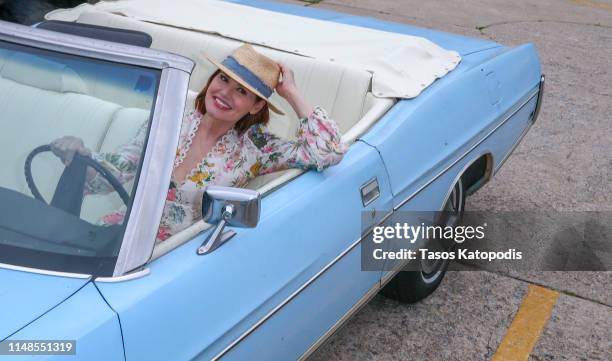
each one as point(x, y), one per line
point(344, 92)
point(340, 90)
point(42, 101)
point(41, 73)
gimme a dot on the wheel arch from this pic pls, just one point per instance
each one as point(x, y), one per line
point(474, 174)
point(477, 173)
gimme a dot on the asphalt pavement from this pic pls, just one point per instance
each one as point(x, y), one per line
point(564, 163)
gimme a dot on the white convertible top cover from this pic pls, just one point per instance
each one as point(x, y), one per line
point(402, 65)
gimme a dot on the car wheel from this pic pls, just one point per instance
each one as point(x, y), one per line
point(413, 286)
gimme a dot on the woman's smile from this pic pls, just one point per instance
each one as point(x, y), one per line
point(228, 100)
point(227, 105)
point(222, 104)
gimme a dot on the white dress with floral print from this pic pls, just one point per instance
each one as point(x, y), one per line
point(233, 161)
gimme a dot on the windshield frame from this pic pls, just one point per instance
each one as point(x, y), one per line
point(154, 175)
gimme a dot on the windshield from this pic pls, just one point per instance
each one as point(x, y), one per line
point(68, 217)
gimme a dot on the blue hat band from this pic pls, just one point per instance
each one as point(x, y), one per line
point(248, 76)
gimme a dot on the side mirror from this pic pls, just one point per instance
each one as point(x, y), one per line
point(228, 206)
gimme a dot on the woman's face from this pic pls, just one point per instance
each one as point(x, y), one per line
point(227, 100)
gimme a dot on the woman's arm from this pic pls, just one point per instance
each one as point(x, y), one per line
point(288, 90)
point(122, 163)
point(318, 145)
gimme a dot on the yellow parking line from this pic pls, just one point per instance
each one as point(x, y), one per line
point(527, 325)
point(593, 4)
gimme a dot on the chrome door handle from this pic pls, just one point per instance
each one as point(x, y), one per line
point(370, 192)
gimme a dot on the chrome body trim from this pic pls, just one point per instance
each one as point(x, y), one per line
point(398, 268)
point(370, 294)
point(128, 277)
point(535, 115)
point(352, 311)
point(387, 277)
point(528, 98)
point(44, 272)
point(99, 49)
point(280, 305)
point(460, 174)
point(296, 292)
point(516, 143)
point(146, 211)
point(540, 96)
point(371, 228)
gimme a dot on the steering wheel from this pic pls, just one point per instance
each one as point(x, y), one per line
point(69, 191)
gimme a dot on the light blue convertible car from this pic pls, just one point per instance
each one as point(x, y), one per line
point(276, 269)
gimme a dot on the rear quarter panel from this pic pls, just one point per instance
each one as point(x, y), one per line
point(482, 107)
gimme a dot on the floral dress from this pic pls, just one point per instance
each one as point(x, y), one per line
point(233, 161)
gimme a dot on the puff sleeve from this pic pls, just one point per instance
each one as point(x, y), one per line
point(318, 145)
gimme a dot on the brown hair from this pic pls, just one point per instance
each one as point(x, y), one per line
point(262, 117)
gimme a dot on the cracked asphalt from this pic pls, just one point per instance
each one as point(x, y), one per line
point(564, 163)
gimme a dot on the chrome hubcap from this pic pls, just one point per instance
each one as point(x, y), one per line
point(432, 269)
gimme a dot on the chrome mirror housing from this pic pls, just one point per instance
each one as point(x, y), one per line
point(228, 206)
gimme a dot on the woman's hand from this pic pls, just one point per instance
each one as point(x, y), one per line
point(287, 89)
point(65, 148)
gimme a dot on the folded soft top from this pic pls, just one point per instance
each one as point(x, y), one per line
point(402, 65)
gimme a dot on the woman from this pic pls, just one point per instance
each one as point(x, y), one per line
point(224, 141)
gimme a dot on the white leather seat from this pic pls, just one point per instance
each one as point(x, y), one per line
point(106, 119)
point(343, 92)
point(41, 101)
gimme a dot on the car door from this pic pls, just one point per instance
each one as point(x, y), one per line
point(270, 292)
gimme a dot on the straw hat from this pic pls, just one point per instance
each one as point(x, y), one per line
point(254, 71)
